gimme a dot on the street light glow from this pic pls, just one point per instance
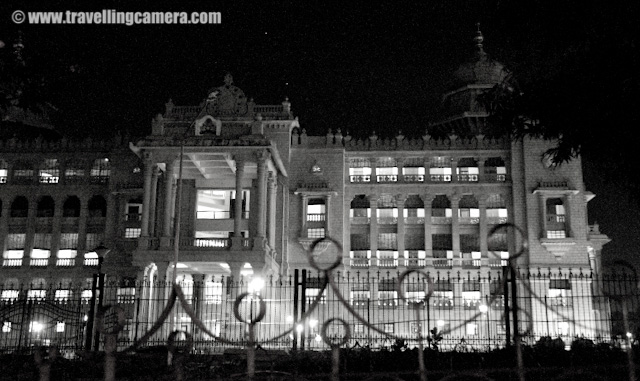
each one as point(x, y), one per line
point(256, 285)
point(483, 308)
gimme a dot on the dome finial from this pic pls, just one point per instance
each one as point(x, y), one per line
point(478, 40)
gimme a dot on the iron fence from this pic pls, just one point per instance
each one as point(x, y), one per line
point(462, 311)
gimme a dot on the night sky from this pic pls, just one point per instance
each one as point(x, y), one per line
point(362, 67)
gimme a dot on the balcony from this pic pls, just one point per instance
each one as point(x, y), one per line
point(442, 303)
point(91, 262)
point(471, 304)
point(471, 263)
point(442, 263)
point(99, 180)
point(65, 262)
point(387, 220)
point(360, 178)
point(362, 263)
point(469, 220)
point(387, 178)
point(387, 263)
point(468, 178)
point(360, 220)
point(496, 220)
point(559, 301)
point(206, 242)
point(414, 220)
point(39, 262)
point(316, 217)
point(49, 179)
point(440, 178)
point(415, 262)
point(441, 220)
point(12, 263)
point(413, 178)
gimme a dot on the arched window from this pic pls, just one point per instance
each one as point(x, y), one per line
point(100, 171)
point(468, 211)
point(467, 169)
point(97, 207)
point(555, 218)
point(3, 171)
point(71, 207)
point(20, 207)
point(495, 169)
point(46, 207)
point(360, 206)
point(23, 173)
point(49, 171)
point(74, 171)
point(441, 206)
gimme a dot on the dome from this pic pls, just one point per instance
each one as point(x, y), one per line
point(480, 70)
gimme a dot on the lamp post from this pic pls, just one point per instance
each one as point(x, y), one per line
point(97, 288)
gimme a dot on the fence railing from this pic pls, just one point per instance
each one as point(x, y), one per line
point(589, 307)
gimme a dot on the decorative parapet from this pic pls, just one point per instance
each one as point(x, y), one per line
point(175, 113)
point(62, 145)
point(399, 142)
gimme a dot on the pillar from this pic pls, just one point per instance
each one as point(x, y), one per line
point(400, 166)
point(400, 199)
point(146, 198)
point(455, 226)
point(82, 225)
point(272, 188)
point(484, 229)
point(4, 222)
point(303, 222)
point(427, 199)
point(373, 226)
point(56, 230)
point(237, 208)
point(454, 170)
point(327, 215)
point(30, 232)
point(481, 175)
point(263, 156)
point(169, 198)
point(153, 201)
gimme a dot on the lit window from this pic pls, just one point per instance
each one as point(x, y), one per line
point(315, 233)
point(388, 327)
point(563, 328)
point(50, 172)
point(358, 328)
point(132, 232)
point(36, 294)
point(312, 294)
point(556, 234)
point(125, 295)
point(134, 211)
point(6, 326)
point(62, 295)
point(213, 293)
point(100, 171)
point(86, 295)
point(3, 171)
point(212, 204)
point(472, 329)
point(8, 295)
point(60, 326)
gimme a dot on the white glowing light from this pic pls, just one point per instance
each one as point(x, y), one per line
point(256, 284)
point(483, 308)
point(299, 328)
point(313, 323)
point(440, 323)
point(318, 338)
point(289, 319)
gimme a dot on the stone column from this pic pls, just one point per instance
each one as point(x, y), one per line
point(400, 166)
point(543, 215)
point(153, 201)
point(327, 219)
point(4, 222)
point(31, 231)
point(263, 156)
point(400, 199)
point(169, 200)
point(303, 222)
point(373, 226)
point(198, 302)
point(427, 199)
point(374, 167)
point(481, 175)
point(237, 207)
point(271, 209)
point(455, 225)
point(454, 169)
point(484, 229)
point(82, 225)
point(112, 213)
point(56, 229)
point(146, 198)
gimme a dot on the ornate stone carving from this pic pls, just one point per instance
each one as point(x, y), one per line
point(227, 100)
